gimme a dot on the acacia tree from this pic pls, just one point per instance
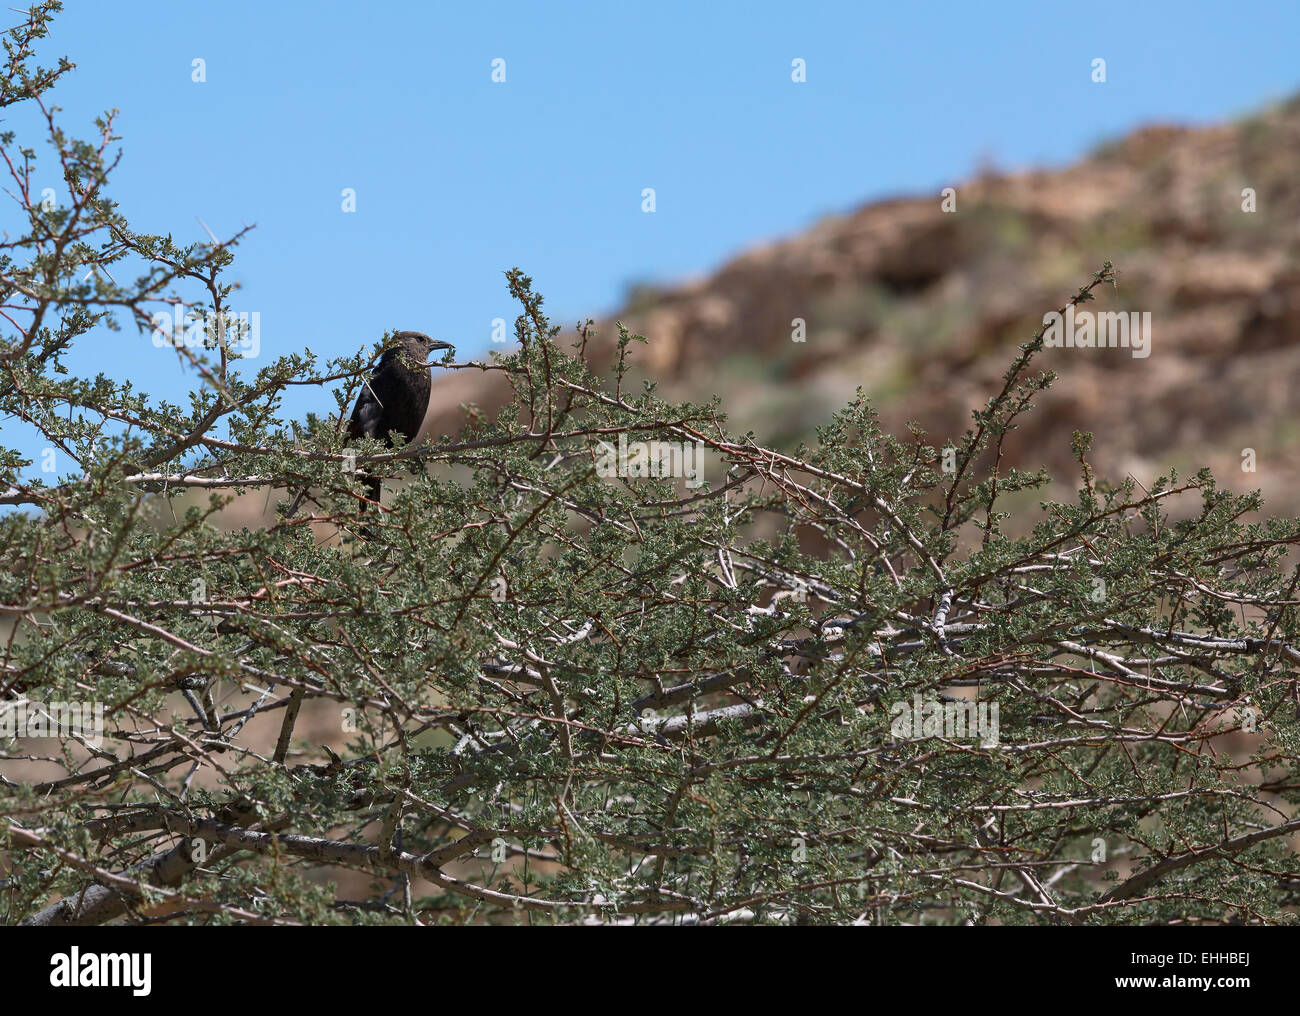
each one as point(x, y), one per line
point(568, 696)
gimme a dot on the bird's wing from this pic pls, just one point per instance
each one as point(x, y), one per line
point(366, 414)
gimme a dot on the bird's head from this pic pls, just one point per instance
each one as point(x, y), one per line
point(420, 345)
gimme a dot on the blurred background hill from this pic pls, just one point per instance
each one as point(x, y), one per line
point(924, 309)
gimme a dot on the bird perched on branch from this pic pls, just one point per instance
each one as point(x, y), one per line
point(396, 395)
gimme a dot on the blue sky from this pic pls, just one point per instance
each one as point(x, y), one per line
point(458, 178)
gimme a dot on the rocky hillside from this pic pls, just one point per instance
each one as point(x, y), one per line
point(924, 307)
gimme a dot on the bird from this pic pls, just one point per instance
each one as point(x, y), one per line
point(395, 397)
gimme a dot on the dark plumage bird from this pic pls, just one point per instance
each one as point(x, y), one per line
point(396, 396)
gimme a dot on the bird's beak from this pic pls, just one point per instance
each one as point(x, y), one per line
point(436, 344)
